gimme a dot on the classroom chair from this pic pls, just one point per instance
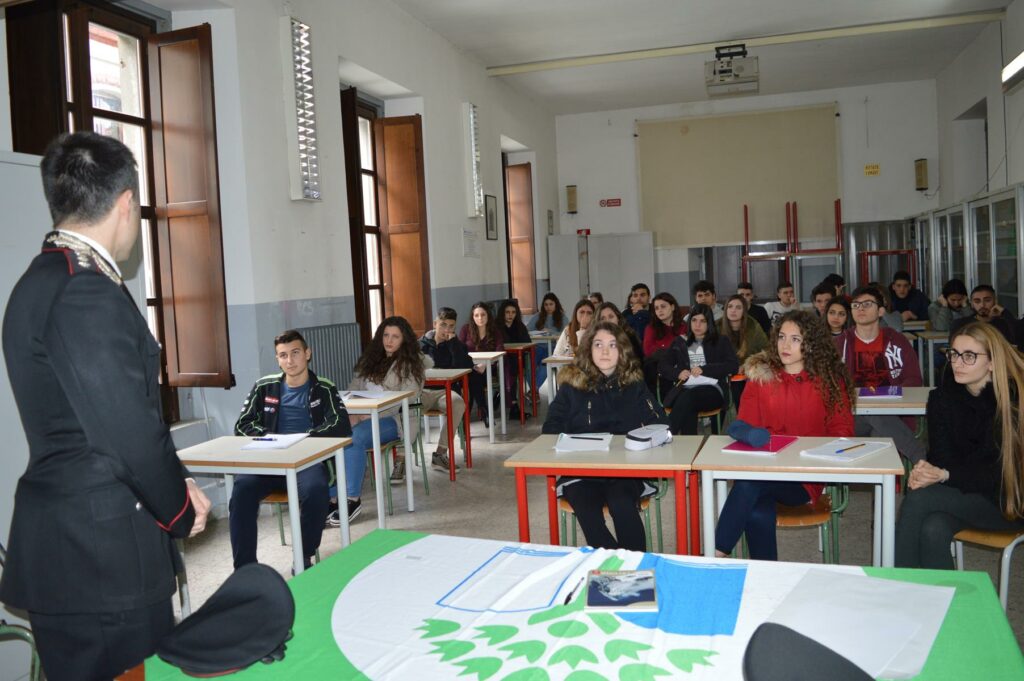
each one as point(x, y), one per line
point(20, 632)
point(1005, 541)
point(565, 510)
point(823, 514)
point(424, 436)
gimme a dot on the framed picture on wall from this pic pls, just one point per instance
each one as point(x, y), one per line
point(491, 213)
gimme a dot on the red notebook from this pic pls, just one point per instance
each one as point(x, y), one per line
point(775, 445)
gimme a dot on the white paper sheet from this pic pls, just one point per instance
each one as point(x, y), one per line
point(365, 394)
point(694, 381)
point(275, 441)
point(583, 442)
point(885, 627)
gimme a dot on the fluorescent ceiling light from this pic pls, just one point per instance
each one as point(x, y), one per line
point(1013, 73)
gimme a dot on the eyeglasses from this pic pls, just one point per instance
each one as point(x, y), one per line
point(863, 305)
point(967, 357)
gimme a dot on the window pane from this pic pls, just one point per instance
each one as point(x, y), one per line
point(148, 262)
point(372, 261)
point(133, 137)
point(67, 58)
point(366, 144)
point(114, 64)
point(369, 200)
point(376, 309)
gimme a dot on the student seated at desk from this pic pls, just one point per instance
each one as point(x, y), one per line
point(391, 361)
point(889, 317)
point(798, 386)
point(582, 316)
point(638, 308)
point(786, 302)
point(702, 352)
point(510, 324)
point(744, 333)
point(950, 306)
point(480, 334)
point(838, 315)
point(596, 297)
point(603, 391)
point(548, 321)
point(293, 401)
point(609, 312)
point(880, 356)
point(447, 352)
point(907, 299)
point(986, 308)
point(665, 326)
point(972, 477)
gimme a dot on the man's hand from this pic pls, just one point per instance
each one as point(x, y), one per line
point(201, 505)
point(942, 300)
point(924, 474)
point(997, 310)
point(908, 315)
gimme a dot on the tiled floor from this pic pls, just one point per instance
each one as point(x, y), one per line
point(481, 503)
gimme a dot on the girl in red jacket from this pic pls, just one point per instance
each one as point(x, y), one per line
point(798, 386)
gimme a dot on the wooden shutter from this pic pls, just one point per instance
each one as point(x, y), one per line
point(187, 203)
point(519, 187)
point(403, 219)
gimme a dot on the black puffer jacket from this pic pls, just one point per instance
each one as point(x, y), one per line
point(605, 407)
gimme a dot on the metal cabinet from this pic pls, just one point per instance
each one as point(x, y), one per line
point(995, 235)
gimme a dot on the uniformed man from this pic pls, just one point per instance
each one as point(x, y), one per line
point(91, 553)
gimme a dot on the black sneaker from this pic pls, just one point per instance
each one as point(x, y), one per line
point(334, 519)
point(355, 507)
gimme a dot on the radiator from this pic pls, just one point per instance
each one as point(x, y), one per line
point(336, 348)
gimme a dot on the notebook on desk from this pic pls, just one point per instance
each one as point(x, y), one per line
point(775, 445)
point(881, 391)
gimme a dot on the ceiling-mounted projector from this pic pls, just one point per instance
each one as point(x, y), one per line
point(732, 72)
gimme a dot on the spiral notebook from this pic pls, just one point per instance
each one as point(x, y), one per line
point(774, 446)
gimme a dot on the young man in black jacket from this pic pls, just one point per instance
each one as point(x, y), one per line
point(448, 352)
point(293, 401)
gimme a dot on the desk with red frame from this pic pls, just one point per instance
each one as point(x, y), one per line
point(672, 460)
point(520, 349)
point(444, 378)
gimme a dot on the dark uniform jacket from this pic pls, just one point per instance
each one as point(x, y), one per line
point(451, 354)
point(262, 408)
point(104, 492)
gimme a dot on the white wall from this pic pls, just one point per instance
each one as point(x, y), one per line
point(5, 96)
point(972, 77)
point(889, 124)
point(1013, 44)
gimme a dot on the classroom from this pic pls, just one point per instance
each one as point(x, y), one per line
point(326, 165)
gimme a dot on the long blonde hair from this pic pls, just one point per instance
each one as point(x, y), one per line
point(1007, 382)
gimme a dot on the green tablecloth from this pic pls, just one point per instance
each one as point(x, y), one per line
point(975, 641)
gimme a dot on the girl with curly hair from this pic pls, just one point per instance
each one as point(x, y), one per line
point(603, 391)
point(392, 361)
point(974, 473)
point(798, 386)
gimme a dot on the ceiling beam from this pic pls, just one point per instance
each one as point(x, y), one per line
point(785, 39)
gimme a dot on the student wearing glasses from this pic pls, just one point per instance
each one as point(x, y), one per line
point(973, 475)
point(880, 356)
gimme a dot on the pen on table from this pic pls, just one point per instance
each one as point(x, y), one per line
point(581, 437)
point(573, 592)
point(840, 451)
point(264, 439)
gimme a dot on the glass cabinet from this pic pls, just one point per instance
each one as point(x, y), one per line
point(923, 243)
point(995, 227)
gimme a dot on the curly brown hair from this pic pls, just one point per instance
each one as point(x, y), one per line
point(821, 359)
point(374, 363)
point(628, 369)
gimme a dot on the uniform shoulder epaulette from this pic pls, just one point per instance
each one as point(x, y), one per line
point(81, 256)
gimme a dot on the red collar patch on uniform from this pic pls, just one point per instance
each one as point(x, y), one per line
point(271, 400)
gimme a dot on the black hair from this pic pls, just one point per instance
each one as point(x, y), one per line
point(447, 313)
point(558, 315)
point(640, 285)
point(745, 285)
point(290, 336)
point(785, 284)
point(823, 288)
point(869, 290)
point(711, 335)
point(953, 287)
point(834, 280)
point(982, 288)
point(901, 275)
point(703, 286)
point(84, 173)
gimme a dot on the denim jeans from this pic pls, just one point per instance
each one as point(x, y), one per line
point(750, 509)
point(355, 453)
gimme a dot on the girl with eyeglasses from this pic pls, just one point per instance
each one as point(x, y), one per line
point(974, 474)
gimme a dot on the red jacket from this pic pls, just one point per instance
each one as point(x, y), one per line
point(791, 404)
point(652, 343)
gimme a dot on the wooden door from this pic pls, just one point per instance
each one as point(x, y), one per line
point(403, 219)
point(522, 258)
